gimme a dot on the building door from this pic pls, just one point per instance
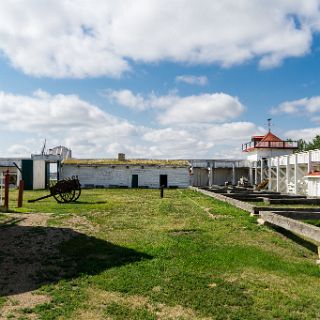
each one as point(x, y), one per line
point(27, 173)
point(135, 181)
point(47, 177)
point(164, 180)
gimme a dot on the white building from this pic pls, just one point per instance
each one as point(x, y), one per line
point(262, 148)
point(128, 173)
point(32, 171)
point(296, 173)
point(312, 181)
point(209, 172)
point(62, 151)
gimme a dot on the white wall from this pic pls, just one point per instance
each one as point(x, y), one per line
point(200, 177)
point(313, 186)
point(39, 174)
point(267, 153)
point(120, 175)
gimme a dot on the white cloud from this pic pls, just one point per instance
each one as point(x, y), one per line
point(229, 133)
point(306, 134)
point(83, 38)
point(18, 150)
point(90, 131)
point(64, 119)
point(205, 108)
point(189, 79)
point(50, 112)
point(139, 102)
point(127, 98)
point(308, 106)
point(201, 141)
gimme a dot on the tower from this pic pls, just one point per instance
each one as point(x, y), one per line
point(261, 148)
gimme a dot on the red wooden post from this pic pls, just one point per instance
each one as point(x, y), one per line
point(20, 196)
point(6, 190)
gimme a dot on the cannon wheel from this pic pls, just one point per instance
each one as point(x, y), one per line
point(77, 194)
point(64, 193)
point(64, 197)
point(77, 189)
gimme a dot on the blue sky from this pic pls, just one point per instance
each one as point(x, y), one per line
point(156, 79)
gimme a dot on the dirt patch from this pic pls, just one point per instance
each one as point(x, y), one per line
point(219, 216)
point(183, 232)
point(212, 285)
point(33, 219)
point(28, 253)
point(82, 224)
point(208, 211)
point(16, 303)
point(99, 299)
point(91, 315)
point(156, 289)
point(268, 279)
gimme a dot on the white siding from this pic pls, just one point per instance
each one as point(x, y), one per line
point(267, 153)
point(106, 176)
point(313, 186)
point(39, 174)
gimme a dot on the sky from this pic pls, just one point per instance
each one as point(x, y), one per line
point(156, 78)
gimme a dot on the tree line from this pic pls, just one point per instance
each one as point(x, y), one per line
point(313, 144)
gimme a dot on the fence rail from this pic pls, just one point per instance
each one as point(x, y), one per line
point(270, 144)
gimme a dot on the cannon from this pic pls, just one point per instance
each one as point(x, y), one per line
point(64, 191)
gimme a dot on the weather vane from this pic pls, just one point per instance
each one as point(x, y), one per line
point(269, 124)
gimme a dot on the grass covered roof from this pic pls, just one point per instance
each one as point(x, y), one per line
point(147, 162)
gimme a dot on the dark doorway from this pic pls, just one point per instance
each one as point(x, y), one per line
point(27, 174)
point(47, 177)
point(135, 181)
point(164, 180)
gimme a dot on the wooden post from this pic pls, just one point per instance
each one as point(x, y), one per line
point(6, 190)
point(161, 191)
point(20, 196)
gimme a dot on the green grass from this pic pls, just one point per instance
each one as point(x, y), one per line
point(313, 222)
point(279, 205)
point(186, 256)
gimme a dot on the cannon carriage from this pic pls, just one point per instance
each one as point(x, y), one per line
point(64, 191)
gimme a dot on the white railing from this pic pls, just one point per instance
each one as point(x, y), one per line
point(270, 144)
point(300, 158)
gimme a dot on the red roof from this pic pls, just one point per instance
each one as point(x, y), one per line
point(269, 141)
point(313, 174)
point(270, 137)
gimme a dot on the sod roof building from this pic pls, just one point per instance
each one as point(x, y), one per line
point(129, 173)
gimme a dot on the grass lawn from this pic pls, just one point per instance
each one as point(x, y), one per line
point(127, 254)
point(279, 205)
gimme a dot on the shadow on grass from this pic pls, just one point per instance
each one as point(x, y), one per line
point(33, 256)
point(302, 242)
point(87, 202)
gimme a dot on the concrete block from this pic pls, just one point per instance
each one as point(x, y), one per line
point(239, 204)
point(294, 201)
point(298, 227)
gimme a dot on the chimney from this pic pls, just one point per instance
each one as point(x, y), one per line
point(121, 157)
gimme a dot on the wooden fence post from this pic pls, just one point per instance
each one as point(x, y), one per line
point(20, 196)
point(6, 190)
point(161, 191)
